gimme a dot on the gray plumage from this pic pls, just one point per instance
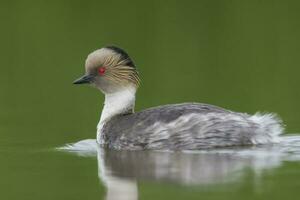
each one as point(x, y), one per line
point(188, 126)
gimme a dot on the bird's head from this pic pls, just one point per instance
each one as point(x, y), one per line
point(109, 69)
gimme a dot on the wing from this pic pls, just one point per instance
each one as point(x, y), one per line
point(163, 126)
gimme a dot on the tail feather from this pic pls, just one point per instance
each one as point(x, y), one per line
point(269, 127)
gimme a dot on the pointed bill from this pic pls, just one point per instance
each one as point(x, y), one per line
point(84, 79)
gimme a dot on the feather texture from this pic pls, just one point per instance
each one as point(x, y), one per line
point(189, 126)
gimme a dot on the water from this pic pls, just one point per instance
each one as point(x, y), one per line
point(241, 55)
point(122, 172)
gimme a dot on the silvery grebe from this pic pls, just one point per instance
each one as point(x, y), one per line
point(187, 126)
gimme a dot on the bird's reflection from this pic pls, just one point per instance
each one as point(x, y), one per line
point(120, 170)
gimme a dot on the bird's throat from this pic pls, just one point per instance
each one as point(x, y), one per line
point(121, 102)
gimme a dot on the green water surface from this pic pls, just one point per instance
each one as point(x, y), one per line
point(241, 55)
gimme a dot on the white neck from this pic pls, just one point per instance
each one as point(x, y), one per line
point(116, 103)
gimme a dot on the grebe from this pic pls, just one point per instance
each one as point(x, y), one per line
point(187, 126)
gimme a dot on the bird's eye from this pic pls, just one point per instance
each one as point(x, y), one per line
point(101, 71)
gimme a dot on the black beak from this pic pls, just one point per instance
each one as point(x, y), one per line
point(84, 79)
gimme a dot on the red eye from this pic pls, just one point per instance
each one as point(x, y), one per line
point(101, 71)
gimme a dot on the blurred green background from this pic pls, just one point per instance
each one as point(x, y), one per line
point(241, 55)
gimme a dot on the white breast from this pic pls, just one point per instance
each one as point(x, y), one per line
point(115, 104)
